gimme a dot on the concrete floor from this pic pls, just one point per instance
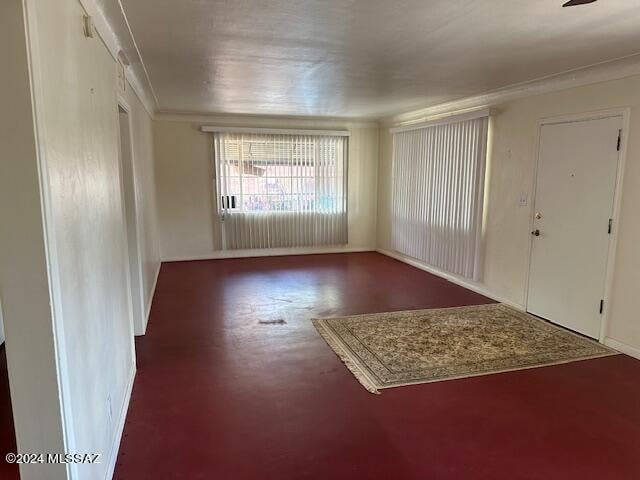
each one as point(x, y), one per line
point(221, 395)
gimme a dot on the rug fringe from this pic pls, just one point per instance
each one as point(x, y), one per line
point(368, 379)
point(357, 372)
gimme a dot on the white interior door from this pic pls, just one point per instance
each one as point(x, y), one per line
point(576, 181)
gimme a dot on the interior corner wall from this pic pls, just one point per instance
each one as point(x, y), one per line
point(1, 326)
point(145, 195)
point(76, 114)
point(511, 166)
point(184, 180)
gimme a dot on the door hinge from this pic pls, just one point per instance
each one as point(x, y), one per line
point(601, 306)
point(610, 226)
point(619, 140)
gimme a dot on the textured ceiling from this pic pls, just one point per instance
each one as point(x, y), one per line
point(364, 58)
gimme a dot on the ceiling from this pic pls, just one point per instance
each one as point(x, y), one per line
point(364, 58)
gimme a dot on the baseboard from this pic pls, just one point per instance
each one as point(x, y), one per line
point(115, 448)
point(450, 278)
point(622, 347)
point(267, 252)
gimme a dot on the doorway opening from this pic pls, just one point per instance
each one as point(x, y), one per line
point(130, 211)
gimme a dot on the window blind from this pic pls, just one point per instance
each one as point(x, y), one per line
point(438, 194)
point(277, 191)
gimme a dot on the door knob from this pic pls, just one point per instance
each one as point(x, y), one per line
point(536, 233)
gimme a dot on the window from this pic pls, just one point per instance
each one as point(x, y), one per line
point(281, 190)
point(438, 192)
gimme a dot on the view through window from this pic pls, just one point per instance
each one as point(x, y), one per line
point(286, 173)
point(281, 189)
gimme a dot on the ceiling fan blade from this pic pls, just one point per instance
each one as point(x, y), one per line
point(573, 3)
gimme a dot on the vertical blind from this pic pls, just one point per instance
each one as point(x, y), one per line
point(438, 194)
point(281, 190)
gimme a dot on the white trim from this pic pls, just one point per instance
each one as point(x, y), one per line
point(276, 131)
point(600, 72)
point(122, 103)
point(442, 120)
point(139, 91)
point(114, 44)
point(51, 255)
point(615, 227)
point(243, 119)
point(135, 46)
point(625, 114)
point(265, 252)
point(152, 292)
point(584, 116)
point(115, 445)
point(622, 347)
point(474, 287)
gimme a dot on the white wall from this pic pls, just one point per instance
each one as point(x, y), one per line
point(70, 389)
point(513, 134)
point(24, 277)
point(184, 174)
point(1, 326)
point(145, 197)
point(77, 117)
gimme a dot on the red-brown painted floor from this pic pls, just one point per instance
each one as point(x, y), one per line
point(7, 433)
point(221, 396)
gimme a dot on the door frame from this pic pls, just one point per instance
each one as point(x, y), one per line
point(138, 323)
point(625, 113)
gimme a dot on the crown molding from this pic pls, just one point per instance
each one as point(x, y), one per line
point(141, 92)
point(114, 20)
point(135, 73)
point(601, 72)
point(263, 120)
point(443, 120)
